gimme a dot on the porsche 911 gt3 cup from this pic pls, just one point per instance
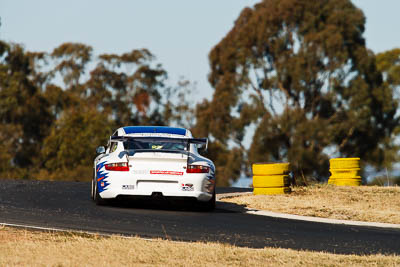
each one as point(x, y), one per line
point(153, 160)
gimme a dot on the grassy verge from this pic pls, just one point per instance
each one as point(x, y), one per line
point(24, 248)
point(362, 203)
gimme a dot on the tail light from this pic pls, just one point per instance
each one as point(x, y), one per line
point(121, 166)
point(197, 169)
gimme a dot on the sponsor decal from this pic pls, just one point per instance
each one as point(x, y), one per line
point(166, 172)
point(101, 175)
point(187, 187)
point(128, 186)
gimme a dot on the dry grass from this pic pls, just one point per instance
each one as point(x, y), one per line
point(24, 248)
point(362, 203)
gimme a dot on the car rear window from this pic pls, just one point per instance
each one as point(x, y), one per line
point(154, 144)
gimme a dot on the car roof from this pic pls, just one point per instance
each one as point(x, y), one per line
point(130, 130)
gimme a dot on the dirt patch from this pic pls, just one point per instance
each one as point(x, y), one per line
point(362, 203)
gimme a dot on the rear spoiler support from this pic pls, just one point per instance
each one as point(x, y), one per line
point(199, 141)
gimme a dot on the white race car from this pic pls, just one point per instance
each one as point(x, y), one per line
point(153, 161)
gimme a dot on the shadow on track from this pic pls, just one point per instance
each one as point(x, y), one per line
point(172, 204)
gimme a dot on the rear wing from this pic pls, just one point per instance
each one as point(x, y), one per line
point(188, 141)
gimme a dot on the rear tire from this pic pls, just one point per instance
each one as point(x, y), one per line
point(208, 205)
point(96, 196)
point(92, 191)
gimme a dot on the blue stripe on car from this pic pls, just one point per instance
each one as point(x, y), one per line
point(154, 129)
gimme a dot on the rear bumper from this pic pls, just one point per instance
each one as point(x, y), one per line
point(198, 186)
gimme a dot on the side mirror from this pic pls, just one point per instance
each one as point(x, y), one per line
point(101, 150)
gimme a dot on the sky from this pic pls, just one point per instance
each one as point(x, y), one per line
point(180, 33)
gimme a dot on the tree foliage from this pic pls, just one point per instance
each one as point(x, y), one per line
point(24, 110)
point(298, 72)
point(389, 64)
point(56, 108)
point(68, 149)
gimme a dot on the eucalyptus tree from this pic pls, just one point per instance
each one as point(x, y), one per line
point(299, 73)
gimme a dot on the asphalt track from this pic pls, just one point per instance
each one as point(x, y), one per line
point(67, 205)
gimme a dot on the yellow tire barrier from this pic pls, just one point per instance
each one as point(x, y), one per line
point(333, 180)
point(345, 175)
point(345, 163)
point(271, 178)
point(271, 181)
point(348, 182)
point(347, 178)
point(345, 172)
point(270, 168)
point(271, 190)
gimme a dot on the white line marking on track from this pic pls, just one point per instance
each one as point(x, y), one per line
point(320, 220)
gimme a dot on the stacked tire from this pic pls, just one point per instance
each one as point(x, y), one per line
point(271, 178)
point(345, 171)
